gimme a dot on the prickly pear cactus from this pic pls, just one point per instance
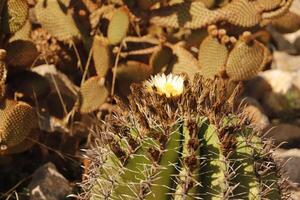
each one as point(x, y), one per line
point(232, 53)
point(182, 139)
point(58, 23)
point(3, 72)
point(195, 14)
point(93, 94)
point(15, 15)
point(17, 121)
point(118, 26)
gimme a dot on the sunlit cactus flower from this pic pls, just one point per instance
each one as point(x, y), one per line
point(170, 85)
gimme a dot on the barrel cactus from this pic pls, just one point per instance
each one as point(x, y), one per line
point(181, 139)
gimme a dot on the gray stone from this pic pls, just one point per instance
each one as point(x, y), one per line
point(257, 87)
point(297, 44)
point(284, 97)
point(285, 61)
point(282, 43)
point(48, 184)
point(291, 163)
point(284, 133)
point(295, 7)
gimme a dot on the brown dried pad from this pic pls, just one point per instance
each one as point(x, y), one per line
point(21, 53)
point(17, 119)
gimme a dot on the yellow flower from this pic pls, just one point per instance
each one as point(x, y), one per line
point(171, 85)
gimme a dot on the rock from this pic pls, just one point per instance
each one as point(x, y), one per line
point(291, 163)
point(282, 43)
point(297, 44)
point(279, 80)
point(257, 87)
point(284, 98)
point(284, 133)
point(284, 61)
point(296, 79)
point(48, 184)
point(295, 7)
point(291, 37)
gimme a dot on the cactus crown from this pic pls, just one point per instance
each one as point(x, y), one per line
point(189, 146)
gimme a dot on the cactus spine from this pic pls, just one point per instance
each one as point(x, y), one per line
point(191, 146)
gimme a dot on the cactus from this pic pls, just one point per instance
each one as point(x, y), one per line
point(232, 53)
point(248, 53)
point(118, 26)
point(101, 55)
point(23, 33)
point(22, 146)
point(18, 119)
point(242, 13)
point(15, 15)
point(182, 140)
point(93, 94)
point(3, 72)
point(184, 61)
point(212, 47)
point(58, 23)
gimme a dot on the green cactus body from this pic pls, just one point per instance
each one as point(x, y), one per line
point(102, 187)
point(249, 189)
point(189, 175)
point(164, 176)
point(268, 172)
point(186, 147)
point(212, 171)
point(134, 172)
